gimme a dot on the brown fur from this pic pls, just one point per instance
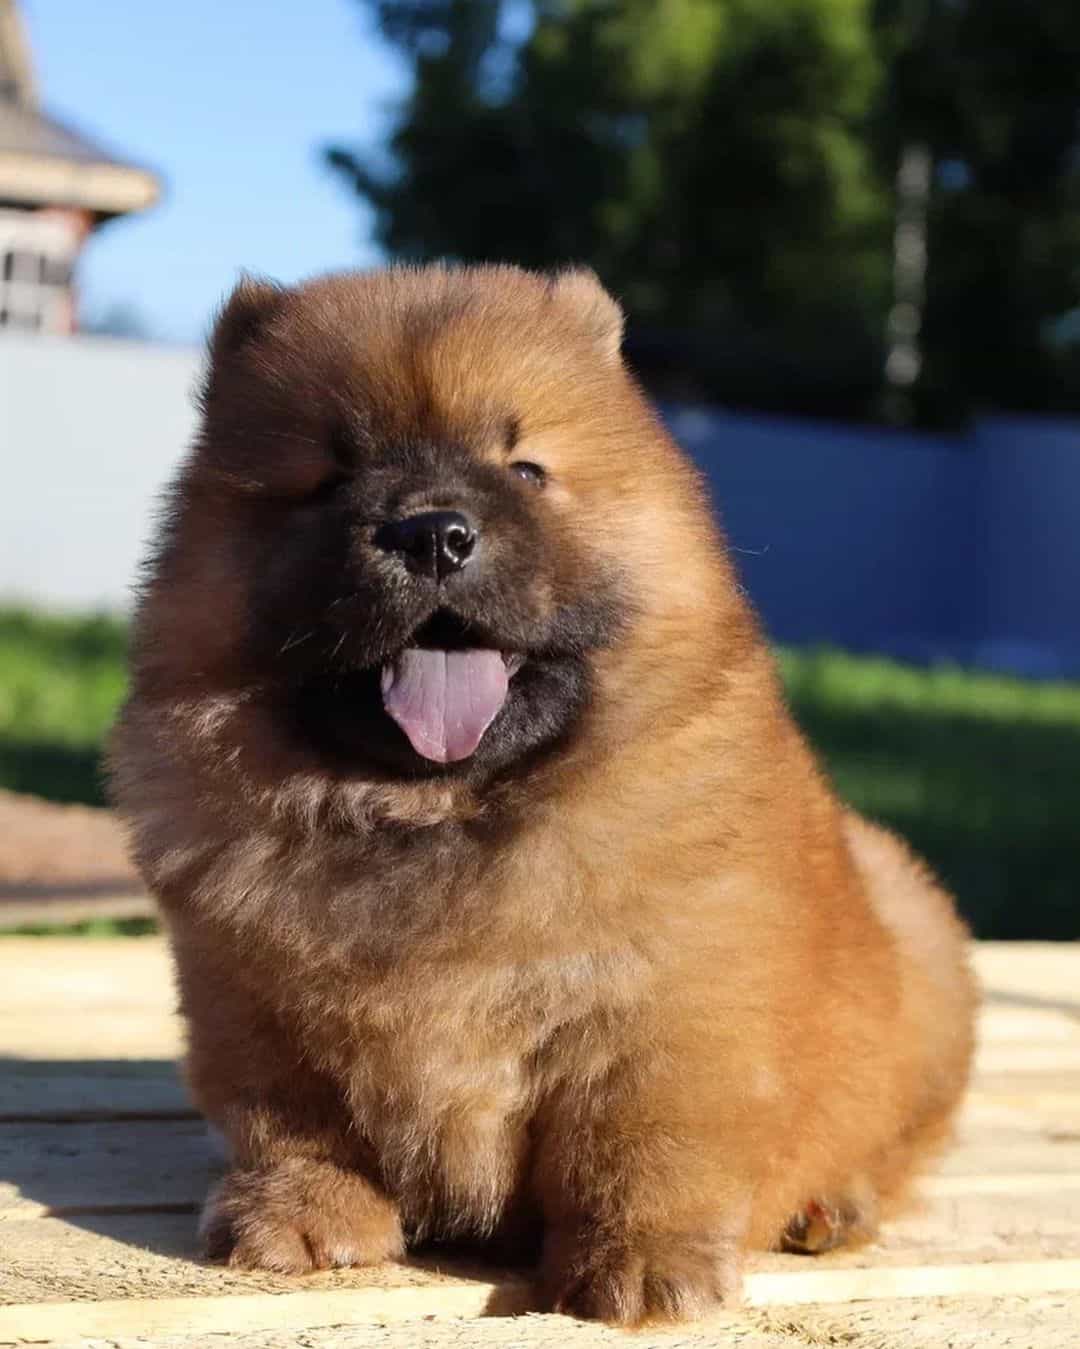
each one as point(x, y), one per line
point(652, 988)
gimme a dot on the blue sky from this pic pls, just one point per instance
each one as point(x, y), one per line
point(230, 101)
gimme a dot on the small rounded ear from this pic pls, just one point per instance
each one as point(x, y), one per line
point(579, 288)
point(252, 302)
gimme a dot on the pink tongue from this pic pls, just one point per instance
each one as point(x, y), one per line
point(444, 701)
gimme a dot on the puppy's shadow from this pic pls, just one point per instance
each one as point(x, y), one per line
point(511, 1270)
point(96, 1140)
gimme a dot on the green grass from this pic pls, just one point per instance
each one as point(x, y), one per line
point(61, 681)
point(92, 927)
point(981, 773)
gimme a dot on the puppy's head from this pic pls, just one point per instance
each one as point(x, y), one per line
point(426, 513)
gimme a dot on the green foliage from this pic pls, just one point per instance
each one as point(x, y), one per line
point(61, 681)
point(993, 90)
point(704, 155)
point(978, 771)
point(728, 167)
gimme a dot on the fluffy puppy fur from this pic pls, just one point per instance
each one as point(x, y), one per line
point(627, 980)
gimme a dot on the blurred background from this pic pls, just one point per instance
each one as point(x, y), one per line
point(846, 234)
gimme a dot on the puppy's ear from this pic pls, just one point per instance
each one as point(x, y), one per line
point(579, 289)
point(242, 315)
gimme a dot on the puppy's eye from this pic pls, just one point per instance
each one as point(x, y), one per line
point(529, 472)
point(342, 446)
point(335, 474)
point(326, 490)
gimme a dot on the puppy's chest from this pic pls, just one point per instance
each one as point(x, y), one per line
point(447, 1115)
point(445, 1071)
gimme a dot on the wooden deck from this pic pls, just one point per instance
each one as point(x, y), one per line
point(102, 1165)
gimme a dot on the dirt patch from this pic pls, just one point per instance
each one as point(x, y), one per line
point(63, 864)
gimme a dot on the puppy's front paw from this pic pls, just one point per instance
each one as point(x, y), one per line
point(298, 1216)
point(642, 1277)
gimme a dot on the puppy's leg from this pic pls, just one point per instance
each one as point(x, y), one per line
point(627, 1276)
point(301, 1194)
point(645, 1184)
point(303, 1190)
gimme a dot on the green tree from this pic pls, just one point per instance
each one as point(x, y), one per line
point(706, 156)
point(729, 167)
point(991, 89)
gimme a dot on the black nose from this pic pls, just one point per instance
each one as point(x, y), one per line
point(434, 543)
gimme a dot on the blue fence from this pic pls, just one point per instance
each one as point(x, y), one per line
point(925, 547)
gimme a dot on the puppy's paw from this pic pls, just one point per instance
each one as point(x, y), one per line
point(643, 1277)
point(822, 1225)
point(299, 1216)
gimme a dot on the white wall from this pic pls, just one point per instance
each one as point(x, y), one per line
point(90, 430)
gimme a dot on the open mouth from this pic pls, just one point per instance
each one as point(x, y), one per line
point(446, 688)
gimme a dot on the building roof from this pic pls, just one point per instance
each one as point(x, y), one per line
point(43, 162)
point(16, 76)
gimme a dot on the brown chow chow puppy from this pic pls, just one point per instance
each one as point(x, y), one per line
point(506, 899)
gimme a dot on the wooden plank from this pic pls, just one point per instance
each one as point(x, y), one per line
point(971, 1224)
point(989, 1127)
point(111, 973)
point(938, 1280)
point(77, 999)
point(999, 1159)
point(1045, 1321)
point(298, 1310)
point(973, 1214)
point(1016, 1184)
point(1028, 1084)
point(291, 1312)
point(1030, 1321)
point(73, 1092)
point(100, 1266)
point(1001, 1024)
point(70, 1001)
point(1027, 1058)
point(82, 1168)
point(87, 1257)
point(75, 1033)
point(1031, 974)
point(1017, 1112)
point(1054, 1115)
point(999, 1138)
